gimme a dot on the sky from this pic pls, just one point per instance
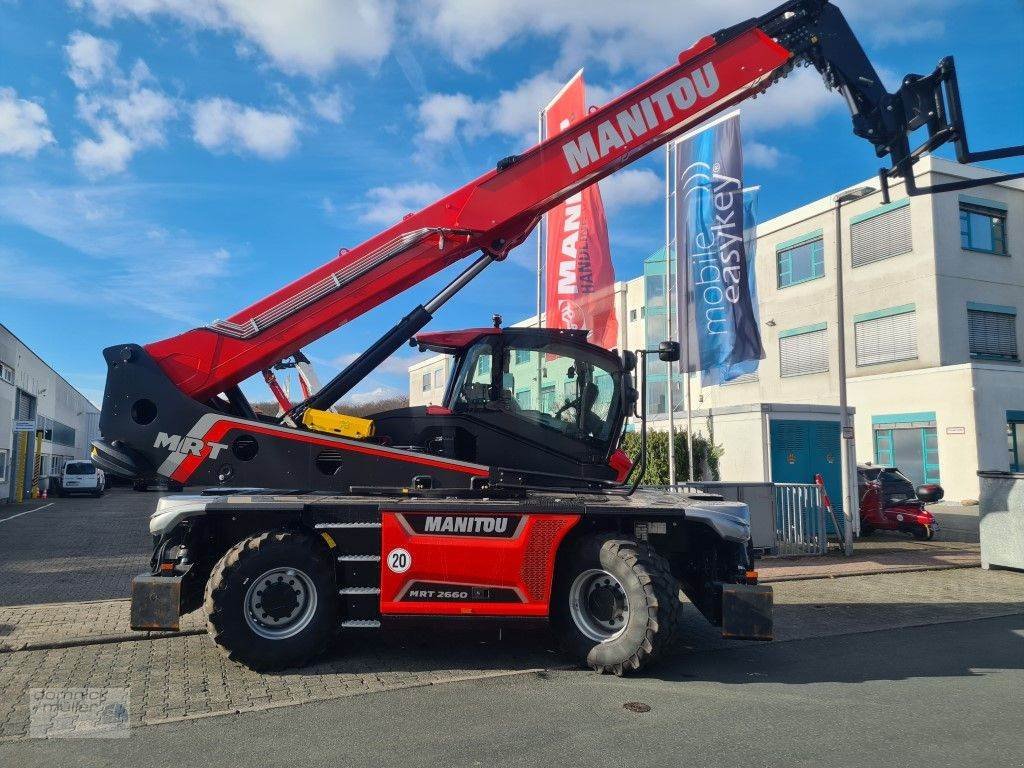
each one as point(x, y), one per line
point(164, 163)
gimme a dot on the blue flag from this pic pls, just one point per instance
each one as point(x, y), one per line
point(719, 326)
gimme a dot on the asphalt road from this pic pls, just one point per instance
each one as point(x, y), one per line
point(942, 695)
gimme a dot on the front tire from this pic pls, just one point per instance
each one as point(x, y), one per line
point(270, 601)
point(615, 605)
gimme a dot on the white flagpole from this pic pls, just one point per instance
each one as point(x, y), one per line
point(668, 317)
point(540, 265)
point(685, 310)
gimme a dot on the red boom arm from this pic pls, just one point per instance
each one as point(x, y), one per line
point(494, 213)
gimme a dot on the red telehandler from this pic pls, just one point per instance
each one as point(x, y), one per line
point(493, 504)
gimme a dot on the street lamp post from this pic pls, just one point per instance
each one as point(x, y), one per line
point(846, 429)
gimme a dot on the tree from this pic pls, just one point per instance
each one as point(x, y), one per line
point(707, 455)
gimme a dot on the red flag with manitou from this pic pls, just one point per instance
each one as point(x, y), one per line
point(579, 275)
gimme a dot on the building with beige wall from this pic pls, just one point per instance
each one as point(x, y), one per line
point(932, 286)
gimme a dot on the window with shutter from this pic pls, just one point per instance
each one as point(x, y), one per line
point(992, 334)
point(887, 338)
point(881, 235)
point(803, 351)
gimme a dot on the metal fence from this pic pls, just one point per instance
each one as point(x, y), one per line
point(799, 520)
point(786, 519)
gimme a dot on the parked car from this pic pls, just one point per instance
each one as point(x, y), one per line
point(889, 502)
point(81, 477)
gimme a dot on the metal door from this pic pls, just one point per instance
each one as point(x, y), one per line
point(802, 449)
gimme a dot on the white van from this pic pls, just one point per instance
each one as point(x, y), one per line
point(81, 477)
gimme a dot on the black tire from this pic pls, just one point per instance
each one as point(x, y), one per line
point(652, 594)
point(227, 600)
point(923, 533)
point(866, 530)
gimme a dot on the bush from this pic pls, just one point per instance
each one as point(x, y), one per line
point(707, 455)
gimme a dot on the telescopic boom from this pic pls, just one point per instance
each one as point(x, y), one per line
point(496, 212)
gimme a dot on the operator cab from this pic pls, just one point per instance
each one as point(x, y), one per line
point(554, 384)
point(562, 400)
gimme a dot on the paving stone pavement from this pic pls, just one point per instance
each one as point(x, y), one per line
point(78, 549)
point(47, 624)
point(186, 676)
point(874, 557)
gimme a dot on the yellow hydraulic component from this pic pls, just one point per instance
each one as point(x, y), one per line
point(337, 424)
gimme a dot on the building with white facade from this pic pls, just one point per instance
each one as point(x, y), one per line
point(932, 284)
point(54, 420)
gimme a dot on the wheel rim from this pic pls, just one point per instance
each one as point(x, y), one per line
point(598, 605)
point(280, 603)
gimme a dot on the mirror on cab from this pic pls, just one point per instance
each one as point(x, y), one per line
point(668, 351)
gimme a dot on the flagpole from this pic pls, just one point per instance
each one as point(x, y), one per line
point(685, 262)
point(668, 317)
point(540, 265)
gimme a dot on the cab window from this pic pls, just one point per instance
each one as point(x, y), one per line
point(554, 386)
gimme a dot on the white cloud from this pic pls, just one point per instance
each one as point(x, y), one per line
point(513, 112)
point(225, 125)
point(301, 36)
point(143, 113)
point(387, 205)
point(644, 35)
point(125, 113)
point(442, 114)
point(90, 59)
point(24, 127)
point(799, 100)
point(631, 186)
point(373, 395)
point(105, 155)
point(761, 155)
point(330, 105)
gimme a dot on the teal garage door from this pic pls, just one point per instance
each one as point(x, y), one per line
point(803, 449)
point(908, 441)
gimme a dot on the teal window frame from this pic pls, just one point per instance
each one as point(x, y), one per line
point(1015, 446)
point(522, 356)
point(784, 253)
point(996, 215)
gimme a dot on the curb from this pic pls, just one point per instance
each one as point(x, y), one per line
point(98, 640)
point(873, 572)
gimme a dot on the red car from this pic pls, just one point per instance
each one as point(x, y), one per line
point(889, 502)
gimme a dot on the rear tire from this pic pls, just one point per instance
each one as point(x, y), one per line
point(295, 578)
point(866, 530)
point(615, 605)
point(924, 533)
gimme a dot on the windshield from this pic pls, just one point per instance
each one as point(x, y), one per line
point(80, 468)
point(556, 386)
point(895, 477)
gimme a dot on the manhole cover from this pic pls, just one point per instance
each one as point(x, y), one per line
point(636, 706)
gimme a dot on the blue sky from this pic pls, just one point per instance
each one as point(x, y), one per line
point(166, 162)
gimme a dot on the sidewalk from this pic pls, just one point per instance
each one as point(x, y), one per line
point(871, 556)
